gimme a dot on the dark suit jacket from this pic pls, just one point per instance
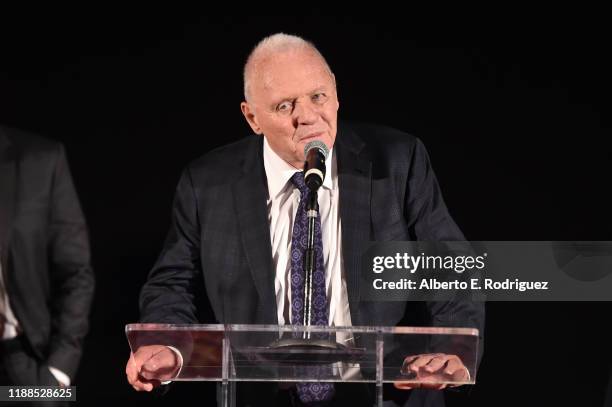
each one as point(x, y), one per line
point(219, 240)
point(45, 248)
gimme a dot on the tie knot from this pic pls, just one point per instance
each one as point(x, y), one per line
point(298, 181)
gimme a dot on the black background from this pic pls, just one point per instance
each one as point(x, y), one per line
point(515, 118)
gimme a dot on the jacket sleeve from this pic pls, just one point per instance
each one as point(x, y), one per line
point(71, 274)
point(429, 220)
point(171, 292)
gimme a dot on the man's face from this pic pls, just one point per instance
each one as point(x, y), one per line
point(293, 101)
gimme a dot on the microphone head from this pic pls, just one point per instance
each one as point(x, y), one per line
point(316, 144)
point(316, 153)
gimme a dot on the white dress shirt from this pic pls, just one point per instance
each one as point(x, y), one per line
point(11, 326)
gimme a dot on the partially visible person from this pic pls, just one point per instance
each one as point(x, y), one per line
point(46, 279)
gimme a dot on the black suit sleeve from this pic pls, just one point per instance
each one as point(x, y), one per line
point(171, 292)
point(429, 220)
point(425, 210)
point(72, 278)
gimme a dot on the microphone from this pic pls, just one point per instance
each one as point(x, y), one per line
point(314, 173)
point(314, 168)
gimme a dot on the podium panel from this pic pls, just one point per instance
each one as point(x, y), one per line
point(289, 353)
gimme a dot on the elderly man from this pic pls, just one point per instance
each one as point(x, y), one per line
point(233, 227)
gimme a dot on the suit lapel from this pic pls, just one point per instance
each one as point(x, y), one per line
point(250, 195)
point(8, 172)
point(354, 182)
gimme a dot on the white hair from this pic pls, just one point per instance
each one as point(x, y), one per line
point(276, 44)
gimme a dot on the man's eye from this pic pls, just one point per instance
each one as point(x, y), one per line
point(284, 107)
point(319, 97)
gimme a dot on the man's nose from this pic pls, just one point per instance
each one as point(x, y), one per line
point(304, 113)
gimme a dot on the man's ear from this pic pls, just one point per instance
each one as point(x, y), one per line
point(249, 115)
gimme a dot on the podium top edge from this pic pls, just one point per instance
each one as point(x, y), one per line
point(299, 328)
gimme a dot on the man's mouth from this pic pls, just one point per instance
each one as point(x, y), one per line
point(311, 136)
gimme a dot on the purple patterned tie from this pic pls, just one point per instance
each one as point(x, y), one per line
point(308, 392)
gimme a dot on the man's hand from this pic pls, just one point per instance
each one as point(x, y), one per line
point(150, 366)
point(432, 368)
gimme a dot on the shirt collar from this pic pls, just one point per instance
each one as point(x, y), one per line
point(279, 172)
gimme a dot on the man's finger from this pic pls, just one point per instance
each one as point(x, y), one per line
point(435, 364)
point(410, 359)
point(131, 370)
point(134, 367)
point(406, 386)
point(140, 385)
point(421, 361)
point(428, 369)
point(456, 370)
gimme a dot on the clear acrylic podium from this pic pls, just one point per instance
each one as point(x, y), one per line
point(290, 354)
